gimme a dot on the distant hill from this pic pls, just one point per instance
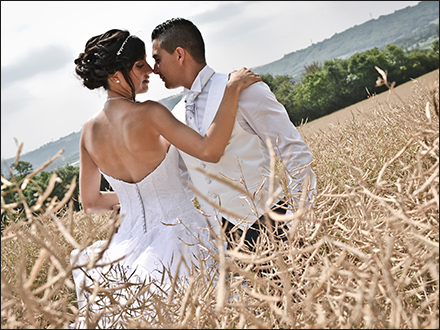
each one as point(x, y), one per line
point(411, 27)
point(38, 157)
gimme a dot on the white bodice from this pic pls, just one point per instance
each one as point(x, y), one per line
point(159, 225)
point(157, 199)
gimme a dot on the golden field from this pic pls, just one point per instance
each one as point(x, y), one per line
point(365, 256)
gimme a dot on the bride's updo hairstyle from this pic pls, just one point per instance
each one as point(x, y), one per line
point(105, 54)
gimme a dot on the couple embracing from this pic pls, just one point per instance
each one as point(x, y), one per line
point(150, 156)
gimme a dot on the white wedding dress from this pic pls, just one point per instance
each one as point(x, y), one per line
point(159, 224)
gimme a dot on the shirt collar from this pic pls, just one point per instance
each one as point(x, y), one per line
point(202, 78)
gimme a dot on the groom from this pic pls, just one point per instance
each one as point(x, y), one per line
point(179, 54)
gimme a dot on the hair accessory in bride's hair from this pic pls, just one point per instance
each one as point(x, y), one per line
point(122, 47)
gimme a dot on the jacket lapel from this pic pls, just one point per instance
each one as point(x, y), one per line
point(215, 96)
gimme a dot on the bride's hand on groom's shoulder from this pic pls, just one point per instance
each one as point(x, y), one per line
point(243, 78)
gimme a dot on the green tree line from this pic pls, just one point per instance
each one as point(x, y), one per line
point(325, 88)
point(38, 184)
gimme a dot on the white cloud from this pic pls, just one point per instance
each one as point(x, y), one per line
point(48, 58)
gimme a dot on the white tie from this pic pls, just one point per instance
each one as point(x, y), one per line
point(190, 109)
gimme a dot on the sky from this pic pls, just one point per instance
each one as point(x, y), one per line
point(42, 100)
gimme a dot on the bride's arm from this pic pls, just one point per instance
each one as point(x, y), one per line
point(210, 147)
point(92, 198)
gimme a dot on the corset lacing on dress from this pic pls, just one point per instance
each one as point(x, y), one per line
point(143, 208)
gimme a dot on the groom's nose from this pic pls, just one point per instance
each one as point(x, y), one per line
point(156, 69)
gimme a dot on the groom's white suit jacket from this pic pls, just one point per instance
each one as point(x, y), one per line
point(245, 162)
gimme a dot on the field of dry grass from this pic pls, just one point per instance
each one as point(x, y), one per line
point(400, 93)
point(366, 256)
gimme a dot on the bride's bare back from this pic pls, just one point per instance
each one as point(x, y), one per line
point(122, 142)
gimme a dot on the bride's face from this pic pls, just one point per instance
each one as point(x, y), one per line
point(140, 74)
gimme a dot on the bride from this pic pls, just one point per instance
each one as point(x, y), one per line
point(133, 145)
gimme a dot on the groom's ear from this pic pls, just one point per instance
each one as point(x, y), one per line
point(181, 54)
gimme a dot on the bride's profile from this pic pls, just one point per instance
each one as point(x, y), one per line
point(133, 145)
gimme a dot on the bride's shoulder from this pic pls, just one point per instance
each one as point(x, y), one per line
point(90, 122)
point(149, 106)
point(149, 103)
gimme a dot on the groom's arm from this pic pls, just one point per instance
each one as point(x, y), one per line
point(260, 113)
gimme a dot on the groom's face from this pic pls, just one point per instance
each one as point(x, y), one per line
point(166, 66)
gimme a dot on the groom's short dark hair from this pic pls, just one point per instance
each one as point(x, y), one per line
point(180, 32)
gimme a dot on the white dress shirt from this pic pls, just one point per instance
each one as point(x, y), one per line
point(261, 114)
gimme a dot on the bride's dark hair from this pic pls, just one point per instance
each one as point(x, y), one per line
point(107, 53)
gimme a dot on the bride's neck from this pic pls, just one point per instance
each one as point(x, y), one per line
point(115, 96)
point(118, 91)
